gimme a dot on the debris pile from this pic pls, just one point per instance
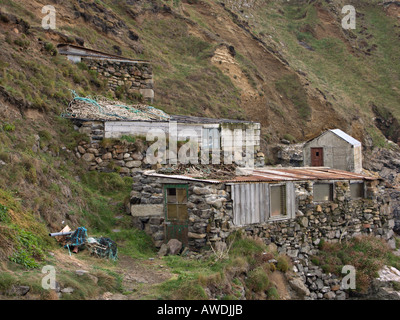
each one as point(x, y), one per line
point(101, 108)
point(202, 171)
point(77, 240)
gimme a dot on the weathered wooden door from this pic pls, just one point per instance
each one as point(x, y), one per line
point(317, 157)
point(176, 212)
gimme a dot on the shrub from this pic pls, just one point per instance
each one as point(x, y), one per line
point(45, 135)
point(22, 43)
point(4, 216)
point(283, 263)
point(289, 137)
point(130, 139)
point(257, 280)
point(8, 127)
point(273, 294)
point(367, 254)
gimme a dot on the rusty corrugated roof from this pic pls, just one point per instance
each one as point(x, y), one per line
point(278, 174)
point(299, 174)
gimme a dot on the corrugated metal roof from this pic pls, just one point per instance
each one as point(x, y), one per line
point(277, 175)
point(346, 137)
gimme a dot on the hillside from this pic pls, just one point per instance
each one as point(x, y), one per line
point(286, 64)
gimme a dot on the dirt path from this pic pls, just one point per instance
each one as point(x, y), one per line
point(139, 278)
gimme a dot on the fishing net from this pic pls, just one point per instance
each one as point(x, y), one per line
point(77, 238)
point(103, 248)
point(101, 108)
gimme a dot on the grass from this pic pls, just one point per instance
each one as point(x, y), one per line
point(245, 267)
point(290, 87)
point(367, 254)
point(353, 79)
point(22, 232)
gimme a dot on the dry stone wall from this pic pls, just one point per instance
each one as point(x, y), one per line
point(135, 78)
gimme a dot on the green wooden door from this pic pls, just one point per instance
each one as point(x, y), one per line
point(176, 212)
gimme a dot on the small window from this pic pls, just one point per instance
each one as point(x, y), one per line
point(323, 192)
point(171, 195)
point(357, 190)
point(176, 200)
point(278, 201)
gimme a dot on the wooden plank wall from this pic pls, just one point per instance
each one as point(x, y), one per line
point(251, 203)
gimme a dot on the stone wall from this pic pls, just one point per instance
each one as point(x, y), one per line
point(211, 215)
point(99, 137)
point(208, 210)
point(135, 78)
point(122, 157)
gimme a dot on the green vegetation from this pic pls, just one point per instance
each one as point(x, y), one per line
point(354, 77)
point(367, 254)
point(292, 89)
point(19, 228)
point(245, 257)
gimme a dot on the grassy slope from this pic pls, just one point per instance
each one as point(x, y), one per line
point(53, 187)
point(350, 79)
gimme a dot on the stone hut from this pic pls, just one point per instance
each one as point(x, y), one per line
point(223, 135)
point(295, 208)
point(334, 149)
point(136, 76)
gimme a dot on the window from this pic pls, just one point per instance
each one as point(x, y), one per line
point(176, 199)
point(278, 201)
point(323, 192)
point(357, 190)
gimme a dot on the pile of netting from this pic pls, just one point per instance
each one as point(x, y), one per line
point(101, 108)
point(77, 238)
point(101, 247)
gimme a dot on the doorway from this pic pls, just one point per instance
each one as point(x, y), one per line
point(176, 212)
point(317, 157)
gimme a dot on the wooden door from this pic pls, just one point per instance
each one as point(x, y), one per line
point(176, 213)
point(317, 157)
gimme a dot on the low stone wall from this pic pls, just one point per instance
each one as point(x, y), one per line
point(123, 158)
point(136, 78)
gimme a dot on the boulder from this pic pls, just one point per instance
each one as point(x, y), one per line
point(174, 246)
point(163, 250)
point(133, 164)
point(18, 290)
point(88, 157)
point(67, 290)
point(298, 285)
